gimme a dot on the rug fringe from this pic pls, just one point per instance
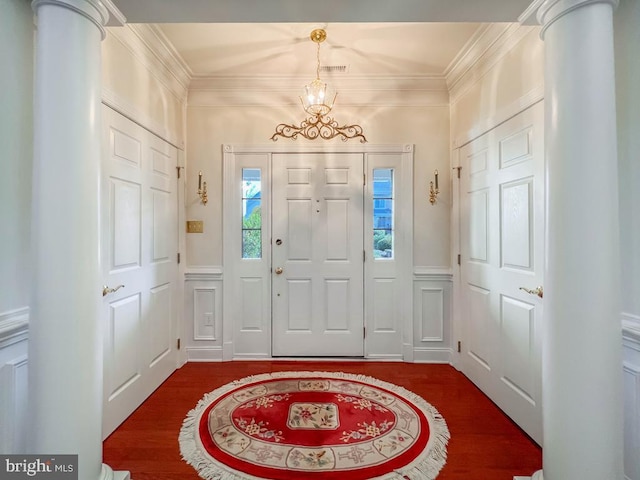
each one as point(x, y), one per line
point(425, 467)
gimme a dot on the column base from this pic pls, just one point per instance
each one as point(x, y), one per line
point(535, 476)
point(108, 474)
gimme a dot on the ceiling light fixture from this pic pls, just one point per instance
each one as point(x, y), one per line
point(317, 100)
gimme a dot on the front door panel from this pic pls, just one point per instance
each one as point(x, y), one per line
point(317, 253)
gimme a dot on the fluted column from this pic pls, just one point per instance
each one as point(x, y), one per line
point(65, 340)
point(582, 364)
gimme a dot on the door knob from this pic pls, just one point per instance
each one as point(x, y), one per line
point(106, 290)
point(279, 241)
point(537, 291)
point(279, 270)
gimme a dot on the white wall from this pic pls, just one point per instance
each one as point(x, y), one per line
point(143, 80)
point(16, 136)
point(425, 126)
point(501, 82)
point(627, 46)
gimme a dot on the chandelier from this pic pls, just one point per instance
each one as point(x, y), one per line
point(317, 100)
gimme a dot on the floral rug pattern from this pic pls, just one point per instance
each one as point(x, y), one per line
point(293, 425)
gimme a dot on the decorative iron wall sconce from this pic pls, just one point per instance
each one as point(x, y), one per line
point(202, 189)
point(433, 192)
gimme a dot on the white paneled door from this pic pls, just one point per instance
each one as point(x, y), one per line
point(502, 249)
point(317, 255)
point(139, 246)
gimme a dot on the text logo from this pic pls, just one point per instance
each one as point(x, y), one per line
point(39, 467)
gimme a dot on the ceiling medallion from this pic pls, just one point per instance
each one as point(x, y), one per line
point(317, 100)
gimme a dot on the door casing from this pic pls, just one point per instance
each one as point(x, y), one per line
point(388, 293)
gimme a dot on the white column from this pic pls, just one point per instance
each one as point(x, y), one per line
point(65, 340)
point(582, 364)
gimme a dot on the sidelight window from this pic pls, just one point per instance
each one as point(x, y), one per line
point(383, 212)
point(251, 213)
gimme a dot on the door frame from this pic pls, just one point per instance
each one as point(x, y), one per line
point(244, 278)
point(461, 358)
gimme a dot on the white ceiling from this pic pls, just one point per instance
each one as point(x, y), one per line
point(383, 49)
point(394, 38)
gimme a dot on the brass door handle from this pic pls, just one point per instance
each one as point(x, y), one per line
point(106, 290)
point(279, 270)
point(537, 291)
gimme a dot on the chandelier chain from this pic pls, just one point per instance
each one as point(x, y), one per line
point(318, 62)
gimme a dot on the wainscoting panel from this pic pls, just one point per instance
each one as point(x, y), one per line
point(202, 333)
point(432, 315)
point(13, 380)
point(13, 405)
point(631, 369)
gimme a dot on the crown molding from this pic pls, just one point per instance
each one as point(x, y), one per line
point(491, 44)
point(157, 55)
point(283, 90)
point(116, 17)
point(460, 63)
point(528, 17)
point(170, 55)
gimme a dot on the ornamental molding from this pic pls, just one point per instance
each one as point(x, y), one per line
point(481, 53)
point(282, 90)
point(552, 10)
point(92, 10)
point(14, 326)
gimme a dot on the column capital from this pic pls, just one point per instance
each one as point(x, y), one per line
point(93, 10)
point(551, 10)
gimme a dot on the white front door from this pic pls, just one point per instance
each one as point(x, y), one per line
point(317, 255)
point(502, 249)
point(139, 246)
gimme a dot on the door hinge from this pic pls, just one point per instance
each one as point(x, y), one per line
point(458, 169)
point(178, 171)
point(178, 256)
point(364, 332)
point(364, 179)
point(459, 346)
point(364, 255)
point(459, 259)
point(178, 344)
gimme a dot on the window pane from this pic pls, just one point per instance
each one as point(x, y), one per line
point(251, 183)
point(382, 183)
point(251, 244)
point(251, 213)
point(383, 212)
point(252, 217)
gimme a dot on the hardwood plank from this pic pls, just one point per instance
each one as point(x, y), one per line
point(485, 444)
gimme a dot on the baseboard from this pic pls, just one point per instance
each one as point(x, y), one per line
point(204, 354)
point(432, 355)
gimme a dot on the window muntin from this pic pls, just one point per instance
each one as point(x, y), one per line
point(251, 213)
point(383, 212)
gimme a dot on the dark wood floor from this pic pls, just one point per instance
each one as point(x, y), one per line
point(484, 445)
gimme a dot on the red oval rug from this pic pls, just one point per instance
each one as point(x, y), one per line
point(314, 425)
